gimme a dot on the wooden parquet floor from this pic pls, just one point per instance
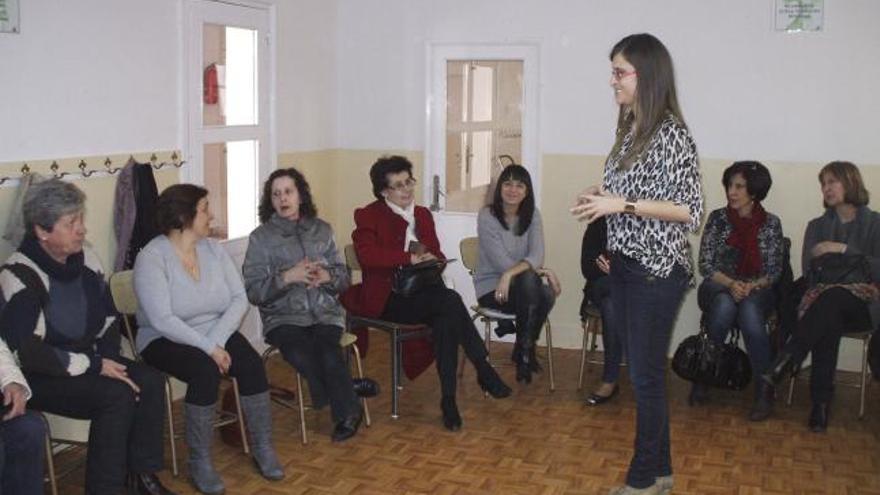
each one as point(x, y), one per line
point(536, 442)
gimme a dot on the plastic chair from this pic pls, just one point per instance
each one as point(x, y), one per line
point(399, 333)
point(865, 337)
point(346, 341)
point(125, 300)
point(470, 253)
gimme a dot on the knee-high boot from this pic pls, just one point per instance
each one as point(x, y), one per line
point(258, 418)
point(199, 435)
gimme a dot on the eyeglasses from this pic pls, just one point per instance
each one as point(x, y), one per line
point(619, 74)
point(401, 186)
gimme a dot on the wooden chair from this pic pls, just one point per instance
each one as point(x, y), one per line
point(399, 333)
point(865, 337)
point(470, 253)
point(122, 290)
point(282, 397)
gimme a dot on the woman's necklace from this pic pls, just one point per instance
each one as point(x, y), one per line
point(189, 261)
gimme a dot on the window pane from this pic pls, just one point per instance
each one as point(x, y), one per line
point(229, 81)
point(231, 180)
point(483, 93)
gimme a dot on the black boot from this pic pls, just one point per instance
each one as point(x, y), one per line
point(523, 367)
point(765, 394)
point(818, 422)
point(490, 382)
point(451, 418)
point(783, 367)
point(148, 484)
point(534, 365)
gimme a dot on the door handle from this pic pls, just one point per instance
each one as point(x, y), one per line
point(436, 193)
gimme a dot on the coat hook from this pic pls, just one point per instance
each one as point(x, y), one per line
point(82, 168)
point(25, 169)
point(54, 169)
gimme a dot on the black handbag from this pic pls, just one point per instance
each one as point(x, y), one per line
point(840, 268)
point(725, 365)
point(410, 279)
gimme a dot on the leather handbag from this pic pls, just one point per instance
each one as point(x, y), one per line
point(724, 365)
point(408, 280)
point(840, 268)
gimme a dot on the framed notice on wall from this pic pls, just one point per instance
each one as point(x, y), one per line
point(796, 16)
point(9, 16)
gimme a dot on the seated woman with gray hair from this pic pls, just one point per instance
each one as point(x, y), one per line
point(57, 315)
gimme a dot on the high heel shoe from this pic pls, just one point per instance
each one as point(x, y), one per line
point(491, 383)
point(524, 370)
point(451, 418)
point(595, 399)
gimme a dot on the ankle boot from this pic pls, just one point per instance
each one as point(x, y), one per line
point(199, 434)
point(258, 418)
point(783, 367)
point(765, 394)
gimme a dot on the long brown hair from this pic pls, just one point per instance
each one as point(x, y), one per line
point(854, 191)
point(655, 97)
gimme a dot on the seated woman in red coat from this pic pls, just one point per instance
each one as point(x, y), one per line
point(384, 231)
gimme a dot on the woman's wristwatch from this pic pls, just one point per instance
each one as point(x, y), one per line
point(629, 206)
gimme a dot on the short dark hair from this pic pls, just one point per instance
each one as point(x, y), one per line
point(385, 165)
point(756, 175)
point(526, 209)
point(307, 207)
point(177, 207)
point(848, 174)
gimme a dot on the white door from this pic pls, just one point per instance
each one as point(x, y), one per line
point(230, 145)
point(483, 115)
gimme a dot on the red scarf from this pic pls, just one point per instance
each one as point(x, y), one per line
point(744, 237)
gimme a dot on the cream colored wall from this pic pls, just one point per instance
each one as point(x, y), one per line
point(340, 182)
point(100, 193)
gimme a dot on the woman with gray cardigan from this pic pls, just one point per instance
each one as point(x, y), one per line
point(830, 308)
point(293, 273)
point(191, 302)
point(511, 264)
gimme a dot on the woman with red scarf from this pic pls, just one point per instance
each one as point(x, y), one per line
point(740, 260)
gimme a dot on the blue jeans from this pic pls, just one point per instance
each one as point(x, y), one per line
point(612, 343)
point(723, 313)
point(645, 308)
point(22, 455)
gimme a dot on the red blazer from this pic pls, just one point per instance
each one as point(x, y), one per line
point(378, 238)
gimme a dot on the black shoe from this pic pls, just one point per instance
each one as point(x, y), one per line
point(148, 484)
point(819, 417)
point(699, 394)
point(783, 367)
point(505, 327)
point(534, 365)
point(346, 428)
point(451, 418)
point(491, 383)
point(763, 405)
point(365, 387)
point(595, 399)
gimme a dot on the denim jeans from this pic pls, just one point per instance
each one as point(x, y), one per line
point(722, 313)
point(612, 343)
point(22, 455)
point(645, 308)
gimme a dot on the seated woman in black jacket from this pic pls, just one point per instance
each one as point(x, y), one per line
point(831, 307)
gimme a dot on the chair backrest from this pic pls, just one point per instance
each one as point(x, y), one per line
point(470, 252)
point(122, 290)
point(351, 258)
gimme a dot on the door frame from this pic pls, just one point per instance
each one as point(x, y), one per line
point(437, 54)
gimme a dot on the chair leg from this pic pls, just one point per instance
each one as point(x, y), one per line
point(360, 372)
point(549, 334)
point(300, 402)
point(395, 372)
point(50, 462)
point(790, 391)
point(244, 439)
point(584, 348)
point(171, 437)
point(864, 381)
point(487, 338)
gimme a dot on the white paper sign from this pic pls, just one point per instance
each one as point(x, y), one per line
point(8, 16)
point(795, 16)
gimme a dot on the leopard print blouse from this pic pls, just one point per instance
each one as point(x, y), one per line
point(668, 170)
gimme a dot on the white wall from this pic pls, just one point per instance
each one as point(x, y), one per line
point(746, 90)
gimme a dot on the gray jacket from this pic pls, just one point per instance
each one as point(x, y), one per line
point(280, 244)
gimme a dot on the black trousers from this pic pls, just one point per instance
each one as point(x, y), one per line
point(442, 309)
point(191, 365)
point(835, 311)
point(126, 430)
point(530, 300)
point(314, 351)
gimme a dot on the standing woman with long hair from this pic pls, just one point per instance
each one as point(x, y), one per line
point(511, 264)
point(652, 198)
